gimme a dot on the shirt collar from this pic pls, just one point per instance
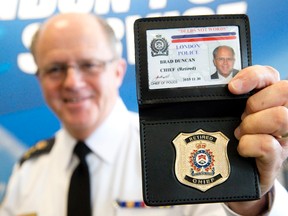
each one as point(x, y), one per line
point(64, 145)
point(225, 78)
point(106, 139)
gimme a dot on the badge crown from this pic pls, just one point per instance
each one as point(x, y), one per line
point(200, 145)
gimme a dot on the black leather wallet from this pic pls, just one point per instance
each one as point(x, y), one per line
point(187, 115)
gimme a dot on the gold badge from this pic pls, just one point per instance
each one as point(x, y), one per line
point(29, 214)
point(201, 159)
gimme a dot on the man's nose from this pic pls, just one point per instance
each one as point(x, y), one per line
point(225, 60)
point(74, 77)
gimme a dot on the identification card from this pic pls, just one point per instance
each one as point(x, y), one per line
point(183, 57)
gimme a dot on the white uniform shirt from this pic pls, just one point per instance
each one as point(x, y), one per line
point(222, 78)
point(40, 185)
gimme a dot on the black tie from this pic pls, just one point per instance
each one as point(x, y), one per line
point(79, 203)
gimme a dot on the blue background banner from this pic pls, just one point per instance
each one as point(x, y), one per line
point(24, 117)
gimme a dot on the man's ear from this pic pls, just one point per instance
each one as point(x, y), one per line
point(121, 70)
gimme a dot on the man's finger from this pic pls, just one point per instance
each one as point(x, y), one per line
point(272, 121)
point(272, 96)
point(254, 77)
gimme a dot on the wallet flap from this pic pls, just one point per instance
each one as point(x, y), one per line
point(180, 167)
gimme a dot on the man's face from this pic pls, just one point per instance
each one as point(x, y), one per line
point(78, 73)
point(224, 61)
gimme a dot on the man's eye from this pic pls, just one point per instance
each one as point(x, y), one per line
point(94, 64)
point(88, 65)
point(91, 67)
point(55, 70)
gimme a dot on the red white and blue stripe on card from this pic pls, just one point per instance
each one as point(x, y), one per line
point(203, 37)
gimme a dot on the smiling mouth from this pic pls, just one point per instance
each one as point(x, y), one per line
point(75, 99)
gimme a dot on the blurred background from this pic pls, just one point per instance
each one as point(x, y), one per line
point(24, 117)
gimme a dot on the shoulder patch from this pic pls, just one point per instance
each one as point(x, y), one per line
point(42, 147)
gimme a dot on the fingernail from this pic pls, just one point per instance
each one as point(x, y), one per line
point(237, 133)
point(236, 84)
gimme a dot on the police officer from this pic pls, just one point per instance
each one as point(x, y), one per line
point(80, 71)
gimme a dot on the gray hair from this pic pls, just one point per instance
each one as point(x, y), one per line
point(223, 46)
point(107, 29)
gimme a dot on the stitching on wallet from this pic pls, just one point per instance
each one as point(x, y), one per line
point(139, 65)
point(189, 121)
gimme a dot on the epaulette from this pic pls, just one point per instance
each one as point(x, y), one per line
point(42, 147)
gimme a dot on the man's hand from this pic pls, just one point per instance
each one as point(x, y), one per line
point(263, 131)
